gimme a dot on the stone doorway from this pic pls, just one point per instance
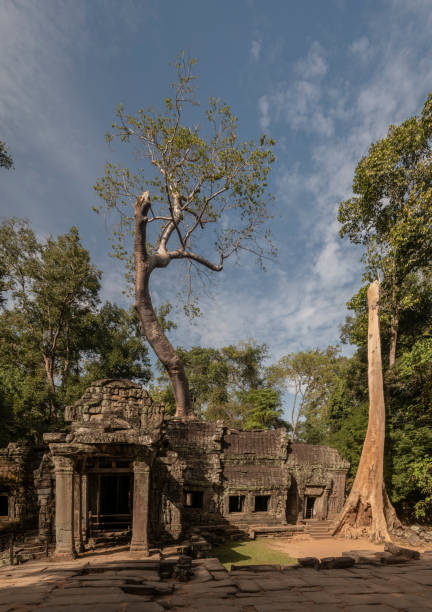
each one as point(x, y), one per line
point(309, 507)
point(111, 498)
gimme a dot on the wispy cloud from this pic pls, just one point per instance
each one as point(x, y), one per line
point(255, 49)
point(300, 103)
point(342, 113)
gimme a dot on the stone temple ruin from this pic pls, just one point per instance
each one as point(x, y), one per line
point(126, 467)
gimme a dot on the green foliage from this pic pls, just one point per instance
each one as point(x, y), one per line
point(111, 346)
point(309, 376)
point(411, 477)
point(6, 160)
point(391, 214)
point(264, 409)
point(421, 473)
point(207, 188)
point(54, 340)
point(228, 384)
point(24, 404)
point(52, 287)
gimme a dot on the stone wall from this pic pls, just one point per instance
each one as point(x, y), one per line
point(17, 463)
point(195, 473)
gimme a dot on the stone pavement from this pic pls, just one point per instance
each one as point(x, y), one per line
point(122, 583)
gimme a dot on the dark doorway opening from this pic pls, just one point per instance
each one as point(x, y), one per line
point(292, 507)
point(261, 503)
point(4, 505)
point(111, 501)
point(309, 507)
point(194, 499)
point(236, 503)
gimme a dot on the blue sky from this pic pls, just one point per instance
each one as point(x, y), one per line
point(325, 79)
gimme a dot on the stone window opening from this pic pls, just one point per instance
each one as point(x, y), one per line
point(261, 503)
point(194, 499)
point(236, 503)
point(4, 505)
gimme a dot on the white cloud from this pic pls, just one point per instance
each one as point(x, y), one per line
point(361, 49)
point(314, 65)
point(342, 115)
point(255, 49)
point(300, 104)
point(264, 105)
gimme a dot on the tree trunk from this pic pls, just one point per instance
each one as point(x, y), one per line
point(393, 336)
point(49, 371)
point(368, 510)
point(144, 265)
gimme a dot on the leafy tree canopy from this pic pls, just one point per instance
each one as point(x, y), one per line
point(6, 160)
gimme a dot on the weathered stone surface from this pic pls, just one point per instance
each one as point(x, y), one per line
point(255, 568)
point(336, 562)
point(399, 550)
point(148, 588)
point(151, 606)
point(247, 586)
point(308, 562)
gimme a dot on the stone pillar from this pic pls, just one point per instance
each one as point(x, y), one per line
point(301, 501)
point(79, 546)
point(64, 517)
point(84, 507)
point(139, 541)
point(325, 509)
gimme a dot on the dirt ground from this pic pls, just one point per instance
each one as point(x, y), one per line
point(326, 547)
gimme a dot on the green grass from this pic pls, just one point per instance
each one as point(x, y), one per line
point(255, 552)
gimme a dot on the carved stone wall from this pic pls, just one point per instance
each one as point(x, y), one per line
point(44, 481)
point(194, 473)
point(17, 463)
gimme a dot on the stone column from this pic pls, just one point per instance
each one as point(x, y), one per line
point(64, 517)
point(139, 541)
point(78, 513)
point(84, 507)
point(325, 508)
point(301, 501)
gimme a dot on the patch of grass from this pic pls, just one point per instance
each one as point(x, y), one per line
point(254, 552)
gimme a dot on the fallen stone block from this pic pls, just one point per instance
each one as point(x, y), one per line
point(308, 562)
point(399, 550)
point(213, 563)
point(336, 563)
point(390, 559)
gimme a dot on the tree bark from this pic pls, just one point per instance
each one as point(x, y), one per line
point(49, 371)
point(144, 265)
point(368, 510)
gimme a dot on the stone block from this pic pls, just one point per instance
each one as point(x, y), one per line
point(308, 562)
point(336, 563)
point(399, 550)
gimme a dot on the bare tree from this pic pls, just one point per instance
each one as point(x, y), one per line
point(368, 510)
point(202, 199)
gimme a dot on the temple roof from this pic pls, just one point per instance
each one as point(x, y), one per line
point(314, 454)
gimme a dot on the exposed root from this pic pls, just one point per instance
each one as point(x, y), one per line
point(359, 519)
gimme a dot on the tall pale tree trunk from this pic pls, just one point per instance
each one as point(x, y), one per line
point(368, 510)
point(144, 265)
